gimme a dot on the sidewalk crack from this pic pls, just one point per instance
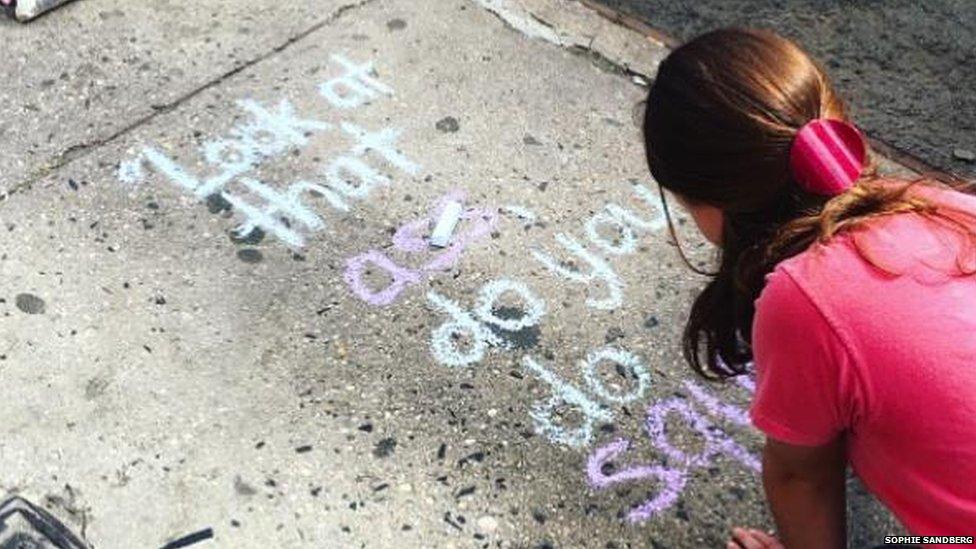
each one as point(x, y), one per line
point(80, 150)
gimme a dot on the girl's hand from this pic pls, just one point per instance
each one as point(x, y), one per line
point(750, 538)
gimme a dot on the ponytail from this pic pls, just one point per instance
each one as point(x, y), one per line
point(718, 125)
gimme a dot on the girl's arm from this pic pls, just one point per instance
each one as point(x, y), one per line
point(805, 486)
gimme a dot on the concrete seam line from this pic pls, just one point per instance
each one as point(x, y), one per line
point(532, 26)
point(626, 20)
point(80, 150)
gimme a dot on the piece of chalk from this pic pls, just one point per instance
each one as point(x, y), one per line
point(25, 10)
point(446, 224)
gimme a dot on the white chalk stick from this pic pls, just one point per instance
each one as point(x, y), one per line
point(446, 224)
point(29, 9)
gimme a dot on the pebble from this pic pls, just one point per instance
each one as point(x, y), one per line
point(613, 334)
point(965, 155)
point(216, 203)
point(30, 304)
point(448, 124)
point(385, 447)
point(250, 255)
point(487, 524)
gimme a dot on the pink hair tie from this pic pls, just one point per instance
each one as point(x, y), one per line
point(827, 156)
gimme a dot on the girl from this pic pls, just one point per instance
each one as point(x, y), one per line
point(854, 295)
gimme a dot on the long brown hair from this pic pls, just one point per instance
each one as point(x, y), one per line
point(719, 122)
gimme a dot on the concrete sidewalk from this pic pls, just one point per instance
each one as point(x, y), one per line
point(218, 309)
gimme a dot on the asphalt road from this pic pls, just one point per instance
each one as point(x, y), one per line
point(907, 68)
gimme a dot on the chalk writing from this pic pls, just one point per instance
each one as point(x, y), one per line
point(602, 475)
point(599, 269)
point(715, 407)
point(408, 238)
point(383, 142)
point(465, 337)
point(400, 277)
point(628, 362)
point(502, 309)
point(715, 444)
point(564, 395)
point(475, 326)
point(491, 294)
point(354, 88)
point(266, 218)
point(271, 131)
point(672, 477)
point(747, 382)
point(520, 212)
point(445, 340)
point(353, 178)
point(627, 224)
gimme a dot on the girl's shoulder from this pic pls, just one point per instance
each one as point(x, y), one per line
point(932, 246)
point(961, 197)
point(929, 247)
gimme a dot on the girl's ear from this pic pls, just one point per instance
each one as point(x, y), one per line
point(708, 218)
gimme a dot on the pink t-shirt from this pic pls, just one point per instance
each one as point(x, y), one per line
point(842, 346)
